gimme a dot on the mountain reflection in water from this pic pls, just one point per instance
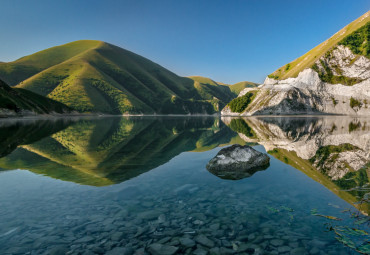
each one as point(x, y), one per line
point(105, 151)
point(334, 151)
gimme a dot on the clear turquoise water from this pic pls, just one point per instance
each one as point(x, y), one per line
point(48, 212)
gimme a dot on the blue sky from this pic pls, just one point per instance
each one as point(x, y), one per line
point(227, 40)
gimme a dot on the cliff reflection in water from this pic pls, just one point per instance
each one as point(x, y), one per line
point(105, 151)
point(334, 151)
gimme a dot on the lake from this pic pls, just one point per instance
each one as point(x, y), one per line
point(139, 185)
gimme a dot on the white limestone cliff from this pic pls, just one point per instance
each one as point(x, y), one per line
point(308, 94)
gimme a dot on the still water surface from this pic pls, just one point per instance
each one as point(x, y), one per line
point(140, 186)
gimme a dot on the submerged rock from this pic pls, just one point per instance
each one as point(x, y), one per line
point(117, 251)
point(203, 240)
point(161, 249)
point(237, 162)
point(187, 242)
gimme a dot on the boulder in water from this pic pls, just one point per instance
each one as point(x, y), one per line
point(237, 162)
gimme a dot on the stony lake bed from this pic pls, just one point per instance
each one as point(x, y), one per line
point(140, 186)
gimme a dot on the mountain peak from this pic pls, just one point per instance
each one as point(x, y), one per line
point(95, 76)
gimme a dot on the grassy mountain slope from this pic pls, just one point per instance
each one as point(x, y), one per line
point(23, 68)
point(204, 80)
point(15, 101)
point(93, 76)
point(293, 68)
point(235, 88)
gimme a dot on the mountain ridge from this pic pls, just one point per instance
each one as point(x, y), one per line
point(95, 76)
point(293, 68)
point(235, 88)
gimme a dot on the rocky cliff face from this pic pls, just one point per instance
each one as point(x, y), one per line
point(308, 93)
point(337, 82)
point(343, 62)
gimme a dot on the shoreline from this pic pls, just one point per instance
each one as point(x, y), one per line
point(61, 116)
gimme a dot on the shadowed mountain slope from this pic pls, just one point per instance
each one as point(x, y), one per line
point(15, 101)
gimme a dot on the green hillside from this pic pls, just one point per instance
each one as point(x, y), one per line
point(94, 76)
point(16, 101)
point(204, 80)
point(23, 68)
point(235, 88)
point(293, 68)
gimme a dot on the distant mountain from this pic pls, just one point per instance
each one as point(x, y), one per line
point(334, 78)
point(238, 87)
point(94, 76)
point(16, 101)
point(235, 88)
